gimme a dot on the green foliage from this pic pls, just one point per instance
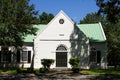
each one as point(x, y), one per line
point(111, 8)
point(92, 18)
point(45, 18)
point(74, 63)
point(8, 71)
point(95, 18)
point(43, 70)
point(101, 72)
point(113, 37)
point(47, 63)
point(16, 18)
point(30, 70)
point(18, 70)
point(25, 70)
point(76, 69)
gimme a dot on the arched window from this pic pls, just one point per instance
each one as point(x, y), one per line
point(61, 48)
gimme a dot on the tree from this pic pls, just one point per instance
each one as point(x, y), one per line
point(113, 39)
point(111, 8)
point(92, 18)
point(45, 18)
point(16, 19)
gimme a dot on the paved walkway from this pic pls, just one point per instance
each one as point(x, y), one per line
point(56, 76)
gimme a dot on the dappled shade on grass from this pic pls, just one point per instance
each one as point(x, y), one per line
point(100, 72)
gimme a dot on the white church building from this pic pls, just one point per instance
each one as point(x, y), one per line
point(60, 40)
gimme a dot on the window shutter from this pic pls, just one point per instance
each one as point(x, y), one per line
point(98, 56)
point(29, 56)
point(18, 56)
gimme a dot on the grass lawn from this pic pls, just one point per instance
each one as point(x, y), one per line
point(8, 71)
point(100, 72)
point(85, 72)
point(15, 70)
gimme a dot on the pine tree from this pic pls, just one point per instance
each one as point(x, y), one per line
point(110, 8)
point(45, 18)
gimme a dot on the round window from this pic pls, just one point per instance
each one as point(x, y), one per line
point(61, 21)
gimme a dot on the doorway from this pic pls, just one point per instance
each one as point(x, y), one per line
point(61, 56)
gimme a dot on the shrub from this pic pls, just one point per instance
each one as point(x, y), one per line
point(47, 63)
point(30, 70)
point(43, 70)
point(19, 70)
point(76, 69)
point(74, 63)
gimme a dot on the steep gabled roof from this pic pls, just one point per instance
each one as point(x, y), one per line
point(57, 16)
point(94, 32)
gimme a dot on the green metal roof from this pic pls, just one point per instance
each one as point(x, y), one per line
point(30, 38)
point(93, 31)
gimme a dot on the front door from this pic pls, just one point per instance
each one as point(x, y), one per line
point(61, 59)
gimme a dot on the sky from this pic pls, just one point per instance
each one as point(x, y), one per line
point(75, 9)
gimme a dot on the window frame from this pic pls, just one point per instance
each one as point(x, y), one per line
point(22, 56)
point(96, 56)
point(5, 55)
point(28, 54)
point(93, 59)
point(61, 21)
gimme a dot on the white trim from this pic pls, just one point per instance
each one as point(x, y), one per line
point(66, 16)
point(102, 30)
point(62, 51)
point(22, 56)
point(61, 12)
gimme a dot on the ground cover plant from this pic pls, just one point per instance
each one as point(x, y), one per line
point(101, 72)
